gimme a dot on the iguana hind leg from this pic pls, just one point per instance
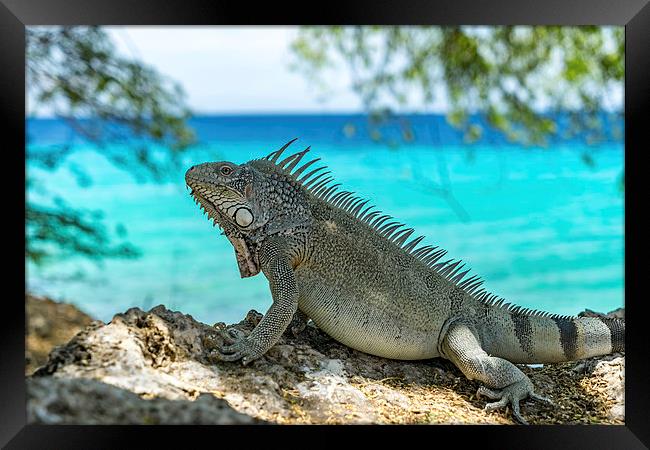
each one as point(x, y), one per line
point(503, 380)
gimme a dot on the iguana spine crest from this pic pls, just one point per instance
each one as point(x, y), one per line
point(393, 231)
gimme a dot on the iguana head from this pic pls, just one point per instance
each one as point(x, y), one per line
point(250, 202)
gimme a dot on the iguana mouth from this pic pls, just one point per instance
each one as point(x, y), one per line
point(247, 260)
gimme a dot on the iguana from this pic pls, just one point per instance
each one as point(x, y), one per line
point(353, 271)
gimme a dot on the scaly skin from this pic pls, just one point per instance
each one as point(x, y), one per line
point(331, 259)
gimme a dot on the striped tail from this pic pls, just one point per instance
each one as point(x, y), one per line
point(537, 338)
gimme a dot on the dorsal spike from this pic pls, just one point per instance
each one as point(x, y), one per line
point(288, 159)
point(460, 276)
point(310, 182)
point(389, 230)
point(447, 267)
point(330, 190)
point(293, 159)
point(295, 162)
point(434, 256)
point(383, 226)
point(474, 287)
point(468, 281)
point(353, 203)
point(471, 284)
point(321, 185)
point(358, 207)
point(378, 221)
point(423, 251)
point(273, 157)
point(437, 255)
point(399, 241)
point(481, 293)
point(454, 268)
point(310, 174)
point(441, 265)
point(337, 197)
point(431, 258)
point(362, 214)
point(302, 168)
point(347, 204)
point(397, 234)
point(411, 245)
point(342, 198)
point(371, 216)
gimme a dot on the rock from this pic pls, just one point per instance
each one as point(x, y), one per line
point(607, 378)
point(155, 367)
point(49, 324)
point(66, 400)
point(615, 314)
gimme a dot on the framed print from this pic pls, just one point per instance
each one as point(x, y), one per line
point(353, 165)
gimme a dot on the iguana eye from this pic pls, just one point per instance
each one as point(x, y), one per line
point(225, 170)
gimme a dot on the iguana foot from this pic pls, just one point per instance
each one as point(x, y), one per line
point(297, 329)
point(298, 323)
point(512, 394)
point(237, 345)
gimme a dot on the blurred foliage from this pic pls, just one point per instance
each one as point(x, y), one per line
point(76, 73)
point(505, 74)
point(62, 231)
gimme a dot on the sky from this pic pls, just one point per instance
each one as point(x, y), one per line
point(233, 69)
point(244, 69)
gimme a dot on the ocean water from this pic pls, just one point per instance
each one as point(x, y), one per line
point(541, 227)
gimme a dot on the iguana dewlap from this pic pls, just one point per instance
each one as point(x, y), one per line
point(331, 258)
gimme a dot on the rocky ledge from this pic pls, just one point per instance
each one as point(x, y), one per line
point(50, 323)
point(152, 367)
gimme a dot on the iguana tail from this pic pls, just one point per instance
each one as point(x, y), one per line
point(528, 337)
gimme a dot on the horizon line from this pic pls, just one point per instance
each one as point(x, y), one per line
point(200, 114)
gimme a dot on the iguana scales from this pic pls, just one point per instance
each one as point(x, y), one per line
point(354, 272)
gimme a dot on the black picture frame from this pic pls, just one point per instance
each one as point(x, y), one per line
point(16, 14)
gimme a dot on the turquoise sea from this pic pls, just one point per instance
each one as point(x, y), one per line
point(543, 228)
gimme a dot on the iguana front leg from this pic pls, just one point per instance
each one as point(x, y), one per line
point(275, 263)
point(503, 380)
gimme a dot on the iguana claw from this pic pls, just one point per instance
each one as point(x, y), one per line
point(236, 346)
point(231, 335)
point(298, 328)
point(298, 323)
point(512, 394)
